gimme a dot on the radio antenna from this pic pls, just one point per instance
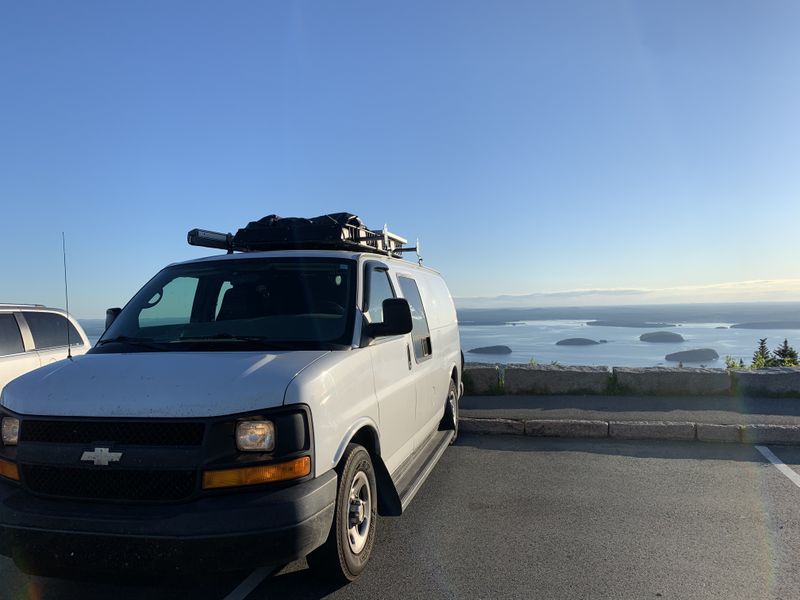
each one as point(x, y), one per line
point(66, 291)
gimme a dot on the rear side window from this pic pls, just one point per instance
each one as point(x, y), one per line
point(379, 289)
point(49, 330)
point(10, 338)
point(420, 334)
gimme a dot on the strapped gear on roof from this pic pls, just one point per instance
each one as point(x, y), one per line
point(336, 231)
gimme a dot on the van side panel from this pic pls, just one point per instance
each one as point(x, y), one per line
point(441, 314)
point(445, 344)
point(445, 339)
point(447, 334)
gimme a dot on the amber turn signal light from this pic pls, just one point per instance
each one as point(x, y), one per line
point(293, 469)
point(9, 470)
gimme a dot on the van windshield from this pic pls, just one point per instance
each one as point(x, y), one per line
point(247, 304)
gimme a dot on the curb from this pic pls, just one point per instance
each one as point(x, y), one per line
point(495, 426)
point(754, 433)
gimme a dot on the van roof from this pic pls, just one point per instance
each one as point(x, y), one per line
point(31, 308)
point(344, 254)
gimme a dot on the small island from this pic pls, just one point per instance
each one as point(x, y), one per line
point(768, 325)
point(491, 350)
point(577, 342)
point(699, 355)
point(661, 337)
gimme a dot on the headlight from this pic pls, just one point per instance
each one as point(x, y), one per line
point(255, 436)
point(10, 431)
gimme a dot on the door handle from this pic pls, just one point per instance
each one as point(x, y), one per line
point(408, 354)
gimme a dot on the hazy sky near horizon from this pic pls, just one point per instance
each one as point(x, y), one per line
point(576, 147)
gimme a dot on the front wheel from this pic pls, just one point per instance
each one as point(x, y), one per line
point(344, 555)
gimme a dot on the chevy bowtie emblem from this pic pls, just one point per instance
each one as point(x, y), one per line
point(101, 457)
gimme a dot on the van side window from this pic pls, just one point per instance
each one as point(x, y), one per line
point(379, 288)
point(49, 330)
point(420, 334)
point(10, 338)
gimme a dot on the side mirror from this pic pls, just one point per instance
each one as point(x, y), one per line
point(111, 316)
point(396, 319)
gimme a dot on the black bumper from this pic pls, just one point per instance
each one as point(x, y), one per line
point(221, 533)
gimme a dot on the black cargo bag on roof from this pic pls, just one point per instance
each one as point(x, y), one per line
point(274, 232)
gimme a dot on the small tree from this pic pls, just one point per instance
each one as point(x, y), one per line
point(732, 363)
point(785, 355)
point(762, 357)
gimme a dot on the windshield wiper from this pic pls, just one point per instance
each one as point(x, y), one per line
point(220, 336)
point(262, 342)
point(133, 341)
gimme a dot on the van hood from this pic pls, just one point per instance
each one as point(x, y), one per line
point(156, 384)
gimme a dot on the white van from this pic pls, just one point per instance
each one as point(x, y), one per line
point(243, 409)
point(32, 335)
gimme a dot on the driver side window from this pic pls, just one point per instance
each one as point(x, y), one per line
point(379, 288)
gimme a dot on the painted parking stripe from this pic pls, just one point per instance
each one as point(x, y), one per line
point(250, 583)
point(767, 453)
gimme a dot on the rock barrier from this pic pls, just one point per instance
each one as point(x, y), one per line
point(553, 379)
point(773, 381)
point(484, 379)
point(663, 381)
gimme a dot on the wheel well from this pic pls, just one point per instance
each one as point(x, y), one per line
point(367, 437)
point(389, 504)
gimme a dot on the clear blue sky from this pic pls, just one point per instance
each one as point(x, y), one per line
point(532, 146)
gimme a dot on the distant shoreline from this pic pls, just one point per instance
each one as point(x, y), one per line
point(743, 314)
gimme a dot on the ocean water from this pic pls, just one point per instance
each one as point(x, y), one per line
point(537, 340)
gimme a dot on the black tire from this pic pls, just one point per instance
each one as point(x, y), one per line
point(339, 558)
point(450, 418)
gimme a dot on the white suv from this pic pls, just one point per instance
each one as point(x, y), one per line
point(32, 336)
point(244, 409)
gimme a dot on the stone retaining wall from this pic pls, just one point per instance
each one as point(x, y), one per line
point(483, 379)
point(662, 381)
point(774, 381)
point(552, 379)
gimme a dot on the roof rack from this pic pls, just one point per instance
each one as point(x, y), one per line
point(337, 231)
point(14, 305)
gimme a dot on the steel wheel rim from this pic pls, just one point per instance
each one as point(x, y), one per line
point(359, 512)
point(453, 408)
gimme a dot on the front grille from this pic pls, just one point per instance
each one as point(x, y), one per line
point(117, 484)
point(133, 433)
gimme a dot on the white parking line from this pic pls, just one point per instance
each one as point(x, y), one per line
point(250, 583)
point(767, 453)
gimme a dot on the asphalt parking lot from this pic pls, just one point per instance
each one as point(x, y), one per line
point(517, 517)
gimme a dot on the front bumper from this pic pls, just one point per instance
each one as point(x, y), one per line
point(228, 532)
